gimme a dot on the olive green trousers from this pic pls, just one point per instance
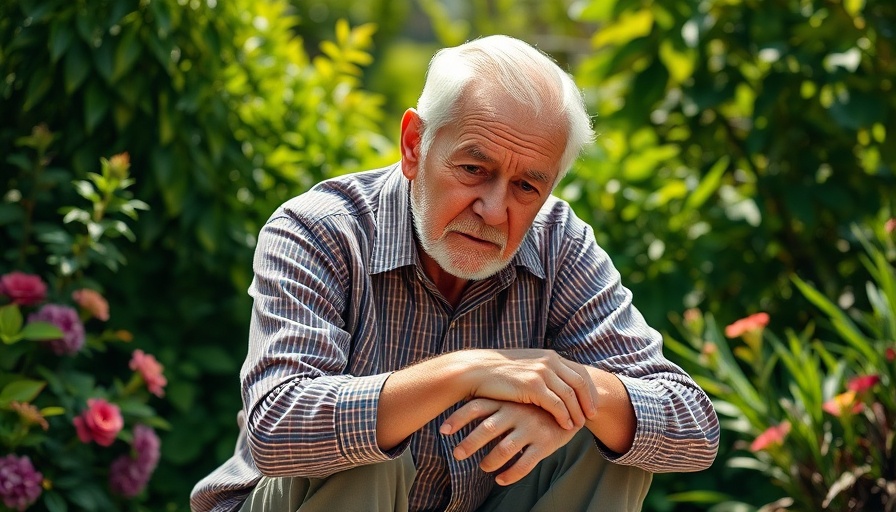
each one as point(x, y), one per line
point(574, 478)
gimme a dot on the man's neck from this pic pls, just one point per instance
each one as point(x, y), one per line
point(450, 286)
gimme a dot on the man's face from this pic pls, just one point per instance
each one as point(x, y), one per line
point(477, 190)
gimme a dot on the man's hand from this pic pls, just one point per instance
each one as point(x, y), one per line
point(539, 377)
point(524, 430)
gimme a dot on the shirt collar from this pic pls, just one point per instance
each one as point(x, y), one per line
point(394, 245)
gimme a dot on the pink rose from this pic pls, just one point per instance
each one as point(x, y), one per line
point(150, 370)
point(101, 422)
point(23, 289)
point(93, 302)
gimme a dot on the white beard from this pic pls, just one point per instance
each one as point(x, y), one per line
point(465, 264)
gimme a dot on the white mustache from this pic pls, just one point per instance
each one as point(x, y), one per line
point(478, 230)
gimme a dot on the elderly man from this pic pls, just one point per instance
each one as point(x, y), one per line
point(444, 334)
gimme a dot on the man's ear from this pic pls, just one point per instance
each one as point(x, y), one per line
point(411, 134)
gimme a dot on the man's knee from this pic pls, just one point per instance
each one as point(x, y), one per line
point(387, 483)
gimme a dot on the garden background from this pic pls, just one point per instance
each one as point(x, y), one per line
point(744, 163)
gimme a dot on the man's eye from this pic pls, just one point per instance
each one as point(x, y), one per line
point(470, 169)
point(526, 187)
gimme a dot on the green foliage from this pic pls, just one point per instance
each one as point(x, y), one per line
point(737, 142)
point(819, 415)
point(48, 376)
point(224, 116)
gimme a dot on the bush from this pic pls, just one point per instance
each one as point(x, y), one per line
point(73, 434)
point(224, 116)
point(737, 143)
point(818, 418)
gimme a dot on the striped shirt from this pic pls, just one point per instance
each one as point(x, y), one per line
point(341, 300)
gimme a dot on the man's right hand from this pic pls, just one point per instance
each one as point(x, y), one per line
point(525, 432)
point(539, 377)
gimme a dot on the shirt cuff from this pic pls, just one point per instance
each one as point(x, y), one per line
point(650, 424)
point(356, 407)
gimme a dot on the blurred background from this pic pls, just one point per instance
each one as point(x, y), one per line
point(741, 144)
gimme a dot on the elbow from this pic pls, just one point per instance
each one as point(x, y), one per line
point(706, 451)
point(277, 454)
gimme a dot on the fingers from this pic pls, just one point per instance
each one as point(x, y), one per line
point(526, 434)
point(577, 376)
point(571, 393)
point(562, 401)
point(490, 428)
point(523, 465)
point(540, 377)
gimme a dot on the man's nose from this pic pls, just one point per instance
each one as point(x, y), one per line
point(491, 205)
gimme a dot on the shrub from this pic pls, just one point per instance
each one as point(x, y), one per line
point(818, 418)
point(73, 433)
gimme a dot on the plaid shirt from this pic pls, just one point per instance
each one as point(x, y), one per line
point(341, 300)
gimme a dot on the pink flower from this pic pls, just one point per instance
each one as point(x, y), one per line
point(755, 322)
point(23, 289)
point(92, 302)
point(66, 319)
point(772, 436)
point(129, 474)
point(150, 370)
point(843, 404)
point(20, 484)
point(101, 422)
point(890, 226)
point(862, 383)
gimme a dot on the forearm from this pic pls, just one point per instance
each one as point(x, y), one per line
point(615, 421)
point(414, 396)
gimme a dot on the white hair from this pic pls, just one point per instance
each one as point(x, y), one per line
point(528, 75)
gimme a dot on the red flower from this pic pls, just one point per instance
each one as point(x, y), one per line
point(862, 383)
point(843, 404)
point(890, 354)
point(150, 370)
point(92, 302)
point(755, 322)
point(773, 435)
point(23, 289)
point(101, 422)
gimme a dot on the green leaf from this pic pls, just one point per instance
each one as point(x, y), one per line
point(96, 104)
point(708, 185)
point(126, 54)
point(40, 83)
point(136, 408)
point(41, 331)
point(52, 411)
point(842, 323)
point(54, 502)
point(77, 66)
point(61, 36)
point(10, 320)
point(629, 26)
point(24, 391)
point(698, 497)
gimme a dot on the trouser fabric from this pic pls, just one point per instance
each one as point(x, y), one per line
point(574, 478)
